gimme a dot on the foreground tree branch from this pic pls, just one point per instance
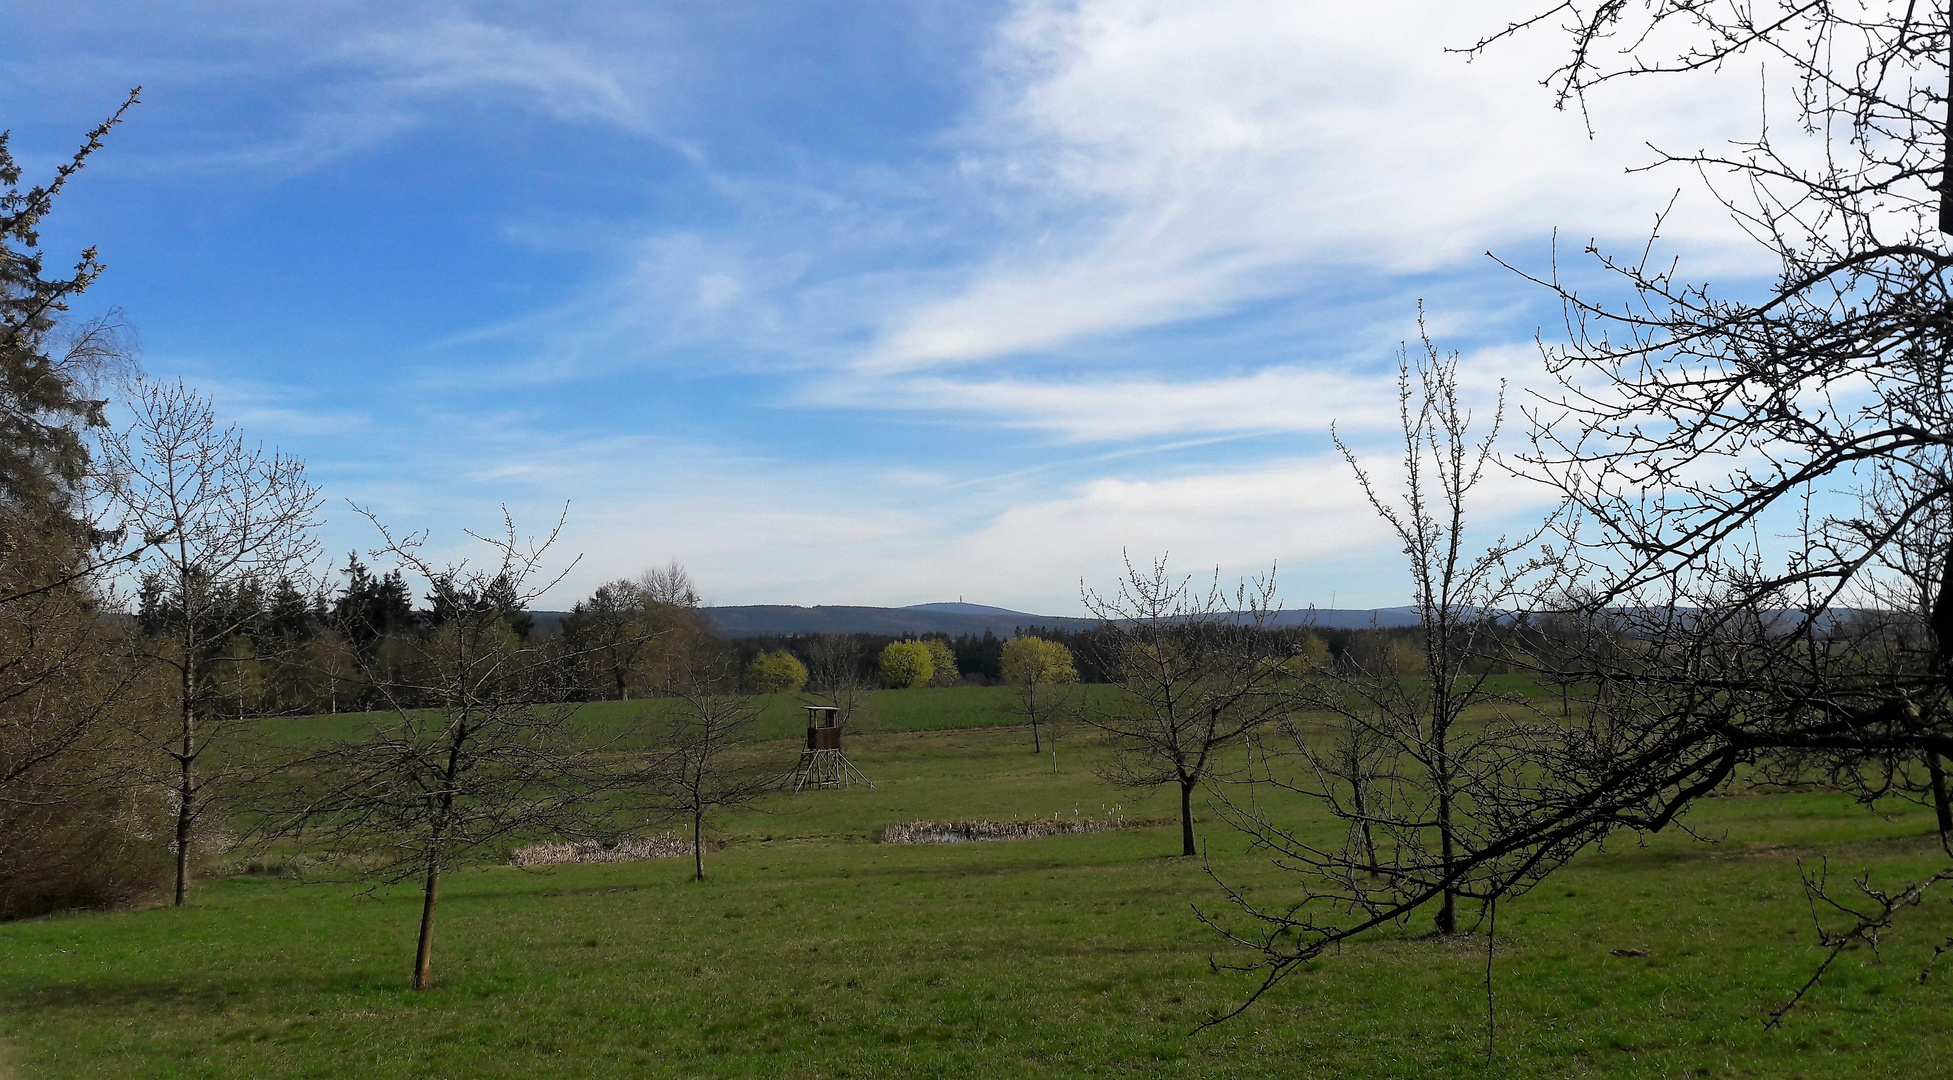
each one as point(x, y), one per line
point(1760, 476)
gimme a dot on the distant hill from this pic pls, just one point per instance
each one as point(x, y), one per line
point(1348, 618)
point(758, 620)
point(761, 620)
point(961, 608)
point(549, 622)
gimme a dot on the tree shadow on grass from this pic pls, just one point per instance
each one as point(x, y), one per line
point(124, 996)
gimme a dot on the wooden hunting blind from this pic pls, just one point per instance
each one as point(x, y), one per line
point(822, 764)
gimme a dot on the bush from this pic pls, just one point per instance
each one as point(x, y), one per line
point(944, 661)
point(777, 672)
point(1312, 657)
point(906, 664)
point(1033, 661)
point(101, 848)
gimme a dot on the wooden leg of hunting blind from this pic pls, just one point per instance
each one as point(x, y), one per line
point(826, 768)
point(849, 769)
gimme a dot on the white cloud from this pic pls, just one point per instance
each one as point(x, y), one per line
point(1307, 516)
point(757, 534)
point(1129, 166)
point(457, 55)
point(1152, 162)
point(341, 82)
point(1242, 520)
point(1360, 397)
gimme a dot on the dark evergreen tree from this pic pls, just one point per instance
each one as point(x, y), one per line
point(982, 656)
point(370, 608)
point(449, 599)
point(45, 375)
point(289, 615)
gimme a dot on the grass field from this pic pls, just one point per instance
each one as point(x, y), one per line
point(780, 717)
point(812, 951)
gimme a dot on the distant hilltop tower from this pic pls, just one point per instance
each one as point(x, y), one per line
point(822, 764)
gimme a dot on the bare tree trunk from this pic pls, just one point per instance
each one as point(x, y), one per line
point(186, 792)
point(1358, 780)
point(1939, 618)
point(431, 896)
point(698, 846)
point(1946, 162)
point(1186, 817)
point(424, 953)
point(1363, 823)
point(1447, 920)
point(1941, 805)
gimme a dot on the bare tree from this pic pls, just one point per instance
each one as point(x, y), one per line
point(479, 747)
point(1437, 774)
point(607, 630)
point(837, 672)
point(1903, 595)
point(1195, 675)
point(689, 774)
point(237, 519)
point(1689, 424)
point(629, 640)
point(1461, 598)
point(669, 584)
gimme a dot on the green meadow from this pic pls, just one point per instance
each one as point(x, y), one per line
point(781, 716)
point(813, 950)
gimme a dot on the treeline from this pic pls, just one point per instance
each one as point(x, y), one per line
point(348, 643)
point(980, 658)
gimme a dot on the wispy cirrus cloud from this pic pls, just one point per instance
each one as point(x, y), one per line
point(1125, 169)
point(1358, 395)
point(1151, 163)
point(1105, 292)
point(330, 82)
point(454, 55)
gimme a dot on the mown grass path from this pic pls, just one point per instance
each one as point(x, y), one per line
point(818, 953)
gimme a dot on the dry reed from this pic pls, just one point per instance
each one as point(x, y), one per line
point(629, 849)
point(956, 832)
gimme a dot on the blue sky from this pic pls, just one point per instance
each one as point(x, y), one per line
point(869, 302)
